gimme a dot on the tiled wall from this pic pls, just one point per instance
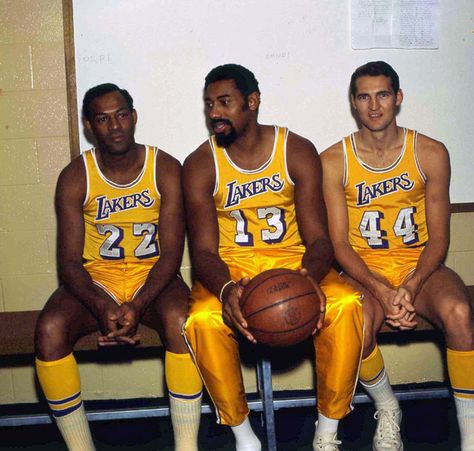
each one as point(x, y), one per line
point(33, 148)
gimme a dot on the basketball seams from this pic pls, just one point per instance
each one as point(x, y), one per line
point(287, 331)
point(281, 307)
point(283, 301)
point(283, 271)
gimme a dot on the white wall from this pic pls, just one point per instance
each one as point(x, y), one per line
point(161, 50)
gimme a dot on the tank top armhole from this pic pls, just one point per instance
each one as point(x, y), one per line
point(286, 132)
point(155, 158)
point(415, 155)
point(216, 167)
point(345, 176)
point(86, 168)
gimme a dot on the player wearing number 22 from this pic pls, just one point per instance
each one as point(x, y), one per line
point(115, 268)
point(387, 191)
point(253, 198)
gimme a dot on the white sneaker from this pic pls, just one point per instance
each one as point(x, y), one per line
point(387, 435)
point(326, 442)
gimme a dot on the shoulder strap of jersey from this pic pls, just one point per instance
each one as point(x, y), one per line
point(89, 167)
point(152, 156)
point(282, 143)
point(214, 148)
point(411, 140)
point(350, 159)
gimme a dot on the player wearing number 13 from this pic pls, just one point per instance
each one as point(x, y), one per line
point(387, 192)
point(253, 200)
point(115, 268)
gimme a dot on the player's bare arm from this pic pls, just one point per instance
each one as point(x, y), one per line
point(333, 170)
point(171, 242)
point(434, 161)
point(201, 218)
point(70, 194)
point(304, 167)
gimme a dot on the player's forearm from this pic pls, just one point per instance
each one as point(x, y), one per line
point(78, 282)
point(210, 270)
point(161, 274)
point(430, 259)
point(318, 258)
point(355, 267)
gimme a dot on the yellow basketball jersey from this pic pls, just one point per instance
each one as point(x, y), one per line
point(386, 206)
point(255, 208)
point(121, 221)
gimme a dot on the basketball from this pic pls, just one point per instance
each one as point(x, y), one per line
point(281, 307)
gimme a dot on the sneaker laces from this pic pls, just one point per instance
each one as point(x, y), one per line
point(326, 442)
point(388, 430)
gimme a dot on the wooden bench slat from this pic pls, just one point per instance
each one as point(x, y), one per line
point(18, 334)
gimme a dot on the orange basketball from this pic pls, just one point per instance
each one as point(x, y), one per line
point(281, 307)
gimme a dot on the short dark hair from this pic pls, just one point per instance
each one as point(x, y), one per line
point(374, 69)
point(99, 91)
point(244, 79)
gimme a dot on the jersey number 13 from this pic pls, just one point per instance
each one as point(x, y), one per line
point(273, 217)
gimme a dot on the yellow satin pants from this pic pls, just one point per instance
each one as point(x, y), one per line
point(215, 349)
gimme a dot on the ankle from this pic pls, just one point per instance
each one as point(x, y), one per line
point(245, 438)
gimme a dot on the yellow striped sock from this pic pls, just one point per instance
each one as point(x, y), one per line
point(461, 373)
point(185, 388)
point(372, 368)
point(61, 385)
point(375, 381)
point(182, 377)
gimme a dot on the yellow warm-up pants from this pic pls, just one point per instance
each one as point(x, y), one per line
point(215, 349)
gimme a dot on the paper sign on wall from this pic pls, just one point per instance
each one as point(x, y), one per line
point(398, 24)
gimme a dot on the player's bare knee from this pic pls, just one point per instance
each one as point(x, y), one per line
point(172, 317)
point(171, 333)
point(370, 339)
point(51, 338)
point(457, 317)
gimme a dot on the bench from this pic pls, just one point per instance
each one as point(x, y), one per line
point(16, 339)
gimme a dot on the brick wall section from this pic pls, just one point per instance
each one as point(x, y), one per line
point(33, 147)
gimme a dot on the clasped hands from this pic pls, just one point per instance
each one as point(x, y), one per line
point(398, 306)
point(118, 324)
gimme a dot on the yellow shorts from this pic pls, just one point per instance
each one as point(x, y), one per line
point(394, 265)
point(216, 352)
point(120, 280)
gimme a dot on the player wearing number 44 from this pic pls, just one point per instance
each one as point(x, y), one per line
point(253, 198)
point(116, 270)
point(387, 192)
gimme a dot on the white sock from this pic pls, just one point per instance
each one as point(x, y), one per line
point(185, 418)
point(465, 413)
point(75, 430)
point(382, 394)
point(245, 438)
point(326, 425)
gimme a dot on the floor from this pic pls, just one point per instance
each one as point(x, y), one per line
point(427, 425)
